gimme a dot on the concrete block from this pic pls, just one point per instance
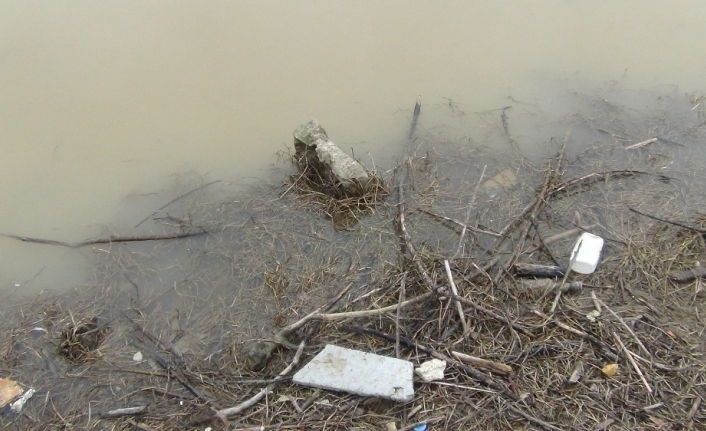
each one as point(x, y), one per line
point(367, 374)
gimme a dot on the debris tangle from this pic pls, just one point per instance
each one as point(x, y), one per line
point(436, 264)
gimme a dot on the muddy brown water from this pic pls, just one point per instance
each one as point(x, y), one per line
point(104, 107)
point(110, 111)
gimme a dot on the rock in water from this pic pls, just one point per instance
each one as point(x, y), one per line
point(319, 156)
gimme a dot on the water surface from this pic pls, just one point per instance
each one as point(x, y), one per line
point(104, 106)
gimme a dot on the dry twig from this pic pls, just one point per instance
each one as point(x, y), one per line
point(629, 357)
point(459, 308)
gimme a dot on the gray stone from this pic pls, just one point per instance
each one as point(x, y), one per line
point(367, 374)
point(312, 142)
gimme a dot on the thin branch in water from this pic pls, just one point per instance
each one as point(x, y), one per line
point(460, 223)
point(675, 223)
point(506, 128)
point(415, 118)
point(641, 144)
point(178, 198)
point(597, 176)
point(468, 213)
point(408, 240)
point(109, 240)
point(543, 245)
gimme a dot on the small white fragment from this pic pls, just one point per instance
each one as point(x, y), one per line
point(137, 357)
point(16, 407)
point(431, 370)
point(366, 374)
point(592, 316)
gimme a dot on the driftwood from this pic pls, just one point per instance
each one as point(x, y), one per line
point(109, 240)
point(492, 366)
point(128, 411)
point(688, 274)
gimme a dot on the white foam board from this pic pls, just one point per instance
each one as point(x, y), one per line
point(367, 374)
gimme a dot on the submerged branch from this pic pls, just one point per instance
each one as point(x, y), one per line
point(109, 240)
point(664, 220)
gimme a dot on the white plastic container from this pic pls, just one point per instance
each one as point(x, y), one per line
point(588, 253)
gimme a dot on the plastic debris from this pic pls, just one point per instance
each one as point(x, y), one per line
point(367, 374)
point(576, 374)
point(421, 427)
point(38, 330)
point(593, 315)
point(9, 390)
point(586, 253)
point(16, 407)
point(610, 370)
point(431, 370)
point(137, 357)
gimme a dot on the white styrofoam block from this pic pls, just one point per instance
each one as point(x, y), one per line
point(367, 374)
point(586, 253)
